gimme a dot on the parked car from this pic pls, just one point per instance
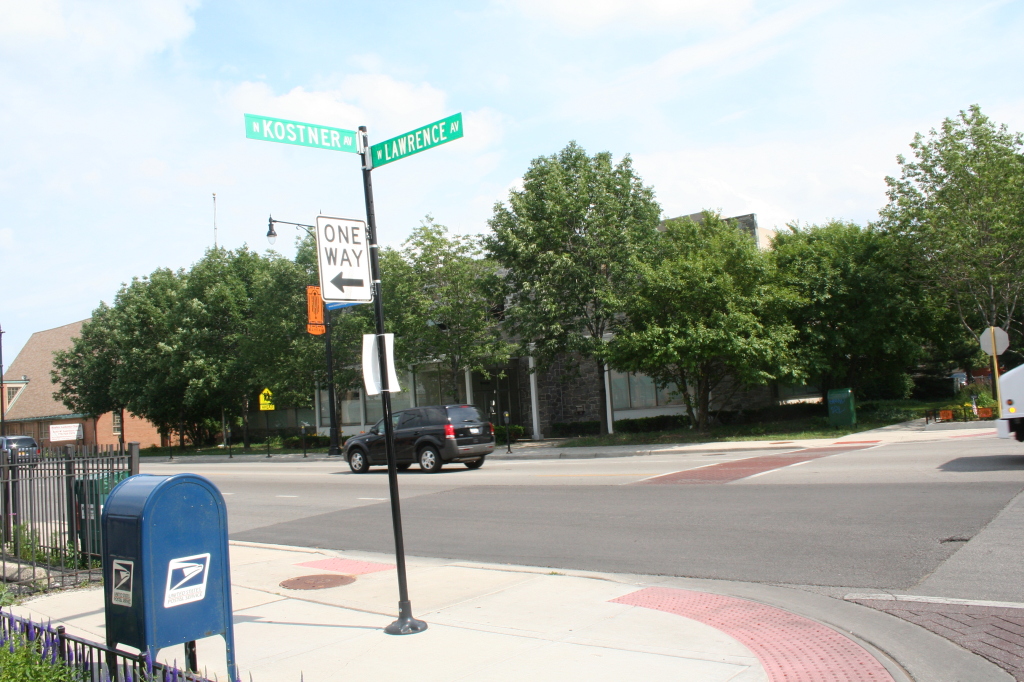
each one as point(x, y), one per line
point(430, 436)
point(25, 449)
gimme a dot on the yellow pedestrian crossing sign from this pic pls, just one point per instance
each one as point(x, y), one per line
point(266, 400)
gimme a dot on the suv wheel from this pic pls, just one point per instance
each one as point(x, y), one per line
point(475, 464)
point(357, 461)
point(430, 460)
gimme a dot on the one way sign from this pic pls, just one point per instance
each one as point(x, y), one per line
point(344, 260)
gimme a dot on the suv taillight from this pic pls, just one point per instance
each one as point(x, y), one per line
point(449, 431)
point(490, 427)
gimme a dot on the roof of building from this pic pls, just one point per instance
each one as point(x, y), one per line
point(35, 400)
point(747, 223)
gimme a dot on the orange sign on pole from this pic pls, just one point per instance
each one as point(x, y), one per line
point(314, 311)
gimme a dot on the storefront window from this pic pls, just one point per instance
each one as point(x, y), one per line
point(641, 392)
point(620, 390)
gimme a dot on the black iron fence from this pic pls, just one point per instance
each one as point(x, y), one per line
point(39, 645)
point(960, 414)
point(50, 504)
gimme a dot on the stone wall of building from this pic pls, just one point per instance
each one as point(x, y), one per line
point(564, 395)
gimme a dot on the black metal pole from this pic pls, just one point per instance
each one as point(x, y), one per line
point(406, 624)
point(333, 450)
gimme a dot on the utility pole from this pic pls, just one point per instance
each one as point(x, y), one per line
point(214, 220)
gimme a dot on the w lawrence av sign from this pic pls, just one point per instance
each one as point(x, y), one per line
point(419, 140)
point(303, 134)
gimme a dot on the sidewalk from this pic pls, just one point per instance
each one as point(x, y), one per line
point(907, 432)
point(497, 623)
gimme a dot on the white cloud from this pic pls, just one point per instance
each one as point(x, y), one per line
point(388, 106)
point(121, 33)
point(806, 180)
point(585, 15)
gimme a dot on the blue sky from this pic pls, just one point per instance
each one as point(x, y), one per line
point(118, 120)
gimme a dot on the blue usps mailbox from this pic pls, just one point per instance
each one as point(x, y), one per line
point(167, 578)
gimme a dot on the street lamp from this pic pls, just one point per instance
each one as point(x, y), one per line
point(272, 234)
point(333, 450)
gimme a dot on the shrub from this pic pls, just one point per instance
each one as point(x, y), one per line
point(660, 423)
point(22, 659)
point(515, 429)
point(570, 429)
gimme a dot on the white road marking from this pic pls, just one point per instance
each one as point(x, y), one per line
point(286, 496)
point(376, 499)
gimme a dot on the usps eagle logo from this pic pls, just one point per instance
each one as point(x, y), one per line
point(186, 580)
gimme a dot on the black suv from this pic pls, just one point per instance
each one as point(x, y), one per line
point(24, 449)
point(430, 436)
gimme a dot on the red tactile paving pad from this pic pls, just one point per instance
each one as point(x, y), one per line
point(791, 648)
point(743, 468)
point(347, 566)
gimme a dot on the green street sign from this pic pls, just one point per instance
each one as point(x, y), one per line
point(304, 134)
point(415, 141)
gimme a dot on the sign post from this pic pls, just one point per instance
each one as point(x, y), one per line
point(994, 340)
point(357, 279)
point(266, 405)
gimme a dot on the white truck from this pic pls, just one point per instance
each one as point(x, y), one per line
point(1011, 393)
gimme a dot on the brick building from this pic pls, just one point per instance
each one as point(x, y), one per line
point(30, 408)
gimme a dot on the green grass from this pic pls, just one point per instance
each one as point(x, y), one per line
point(870, 415)
point(260, 449)
point(792, 429)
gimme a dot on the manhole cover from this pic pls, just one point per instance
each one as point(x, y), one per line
point(318, 582)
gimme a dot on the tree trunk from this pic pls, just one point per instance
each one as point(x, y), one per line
point(604, 397)
point(703, 401)
point(245, 422)
point(122, 428)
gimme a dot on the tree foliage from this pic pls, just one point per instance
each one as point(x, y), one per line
point(708, 314)
point(182, 348)
point(958, 207)
point(444, 303)
point(84, 373)
point(567, 242)
point(862, 318)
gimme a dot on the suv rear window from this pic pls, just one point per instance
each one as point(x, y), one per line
point(22, 442)
point(464, 413)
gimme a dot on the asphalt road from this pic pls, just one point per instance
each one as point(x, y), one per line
point(883, 518)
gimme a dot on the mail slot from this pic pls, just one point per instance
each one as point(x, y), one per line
point(167, 577)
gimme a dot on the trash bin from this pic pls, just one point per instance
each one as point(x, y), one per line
point(91, 493)
point(841, 411)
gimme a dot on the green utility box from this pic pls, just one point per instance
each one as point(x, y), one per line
point(91, 493)
point(841, 411)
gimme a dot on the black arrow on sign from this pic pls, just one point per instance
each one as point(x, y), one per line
point(341, 282)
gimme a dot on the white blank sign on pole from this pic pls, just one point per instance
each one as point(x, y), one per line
point(371, 366)
point(1002, 340)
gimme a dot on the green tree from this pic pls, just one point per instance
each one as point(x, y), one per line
point(444, 303)
point(709, 313)
point(145, 330)
point(862, 319)
point(568, 242)
point(958, 209)
point(84, 374)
